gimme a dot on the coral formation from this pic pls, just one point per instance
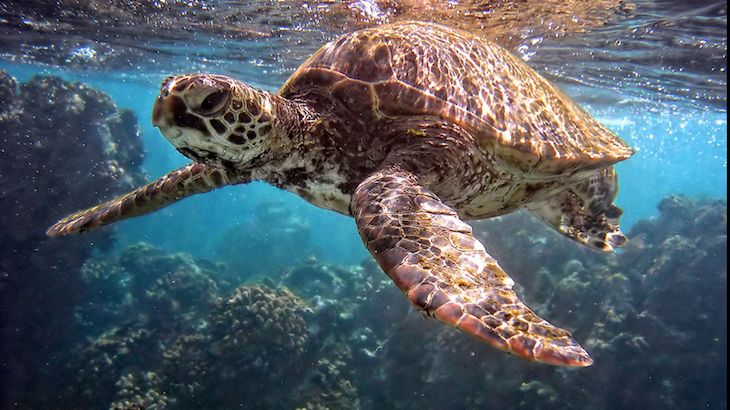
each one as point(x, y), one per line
point(252, 333)
point(141, 391)
point(171, 290)
point(255, 333)
point(69, 144)
point(625, 307)
point(106, 295)
point(65, 144)
point(327, 383)
point(269, 321)
point(8, 87)
point(96, 367)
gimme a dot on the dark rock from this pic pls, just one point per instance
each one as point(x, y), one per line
point(59, 155)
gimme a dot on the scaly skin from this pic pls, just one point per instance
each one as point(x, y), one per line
point(432, 257)
point(190, 180)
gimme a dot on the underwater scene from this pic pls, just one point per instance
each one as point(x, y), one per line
point(313, 256)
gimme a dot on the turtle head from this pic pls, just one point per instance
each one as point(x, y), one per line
point(215, 119)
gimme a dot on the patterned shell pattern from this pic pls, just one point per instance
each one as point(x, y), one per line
point(421, 69)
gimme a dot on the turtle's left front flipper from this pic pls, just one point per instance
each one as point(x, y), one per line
point(432, 256)
point(190, 180)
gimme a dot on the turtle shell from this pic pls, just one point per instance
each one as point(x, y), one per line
point(409, 69)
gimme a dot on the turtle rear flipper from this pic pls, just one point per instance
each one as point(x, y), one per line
point(586, 212)
point(432, 256)
point(176, 185)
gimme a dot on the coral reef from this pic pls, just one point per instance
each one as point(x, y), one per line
point(69, 145)
point(192, 344)
point(327, 384)
point(624, 306)
point(255, 333)
point(106, 295)
point(268, 323)
point(321, 336)
point(141, 391)
point(64, 144)
point(96, 367)
point(171, 290)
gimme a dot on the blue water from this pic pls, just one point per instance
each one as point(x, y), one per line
point(652, 71)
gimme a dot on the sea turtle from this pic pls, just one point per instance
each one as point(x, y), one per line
point(410, 128)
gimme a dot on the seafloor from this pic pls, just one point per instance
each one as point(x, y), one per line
point(85, 328)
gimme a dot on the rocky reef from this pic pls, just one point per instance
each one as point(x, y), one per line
point(321, 336)
point(64, 144)
point(180, 339)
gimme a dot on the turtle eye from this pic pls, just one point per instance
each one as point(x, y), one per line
point(213, 103)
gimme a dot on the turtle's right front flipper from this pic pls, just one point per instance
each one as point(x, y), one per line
point(190, 180)
point(434, 258)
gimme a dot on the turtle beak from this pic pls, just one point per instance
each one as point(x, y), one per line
point(157, 116)
point(164, 112)
point(161, 111)
point(166, 105)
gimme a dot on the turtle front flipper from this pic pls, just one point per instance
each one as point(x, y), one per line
point(432, 256)
point(190, 180)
